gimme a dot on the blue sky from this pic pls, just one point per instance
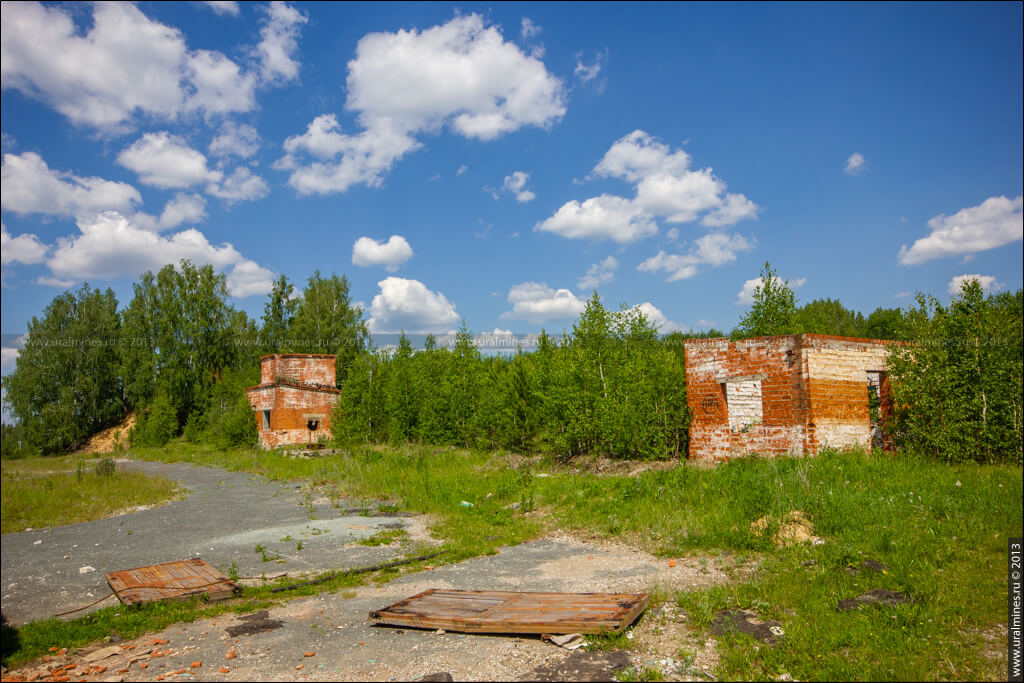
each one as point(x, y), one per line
point(499, 162)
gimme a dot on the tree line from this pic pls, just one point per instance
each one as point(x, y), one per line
point(179, 356)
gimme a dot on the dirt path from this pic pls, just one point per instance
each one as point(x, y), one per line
point(223, 519)
point(347, 647)
point(228, 514)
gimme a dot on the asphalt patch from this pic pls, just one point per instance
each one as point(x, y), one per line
point(873, 565)
point(584, 666)
point(879, 596)
point(257, 622)
point(745, 621)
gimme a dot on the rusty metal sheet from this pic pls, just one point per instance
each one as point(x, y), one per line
point(515, 612)
point(170, 581)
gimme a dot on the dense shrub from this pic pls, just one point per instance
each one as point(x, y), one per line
point(611, 388)
point(158, 424)
point(957, 386)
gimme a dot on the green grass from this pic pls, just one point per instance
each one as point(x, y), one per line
point(44, 492)
point(386, 537)
point(944, 543)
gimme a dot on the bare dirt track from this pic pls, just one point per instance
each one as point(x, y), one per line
point(334, 627)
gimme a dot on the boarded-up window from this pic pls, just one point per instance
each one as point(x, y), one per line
point(743, 399)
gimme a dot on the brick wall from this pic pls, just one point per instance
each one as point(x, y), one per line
point(297, 390)
point(813, 393)
point(837, 389)
point(298, 367)
point(717, 369)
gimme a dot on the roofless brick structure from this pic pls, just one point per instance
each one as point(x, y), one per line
point(791, 394)
point(294, 398)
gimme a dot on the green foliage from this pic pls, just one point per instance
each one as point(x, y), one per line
point(885, 323)
point(326, 322)
point(229, 419)
point(612, 388)
point(828, 316)
point(180, 333)
point(157, 425)
point(106, 467)
point(14, 442)
point(65, 386)
point(958, 387)
point(278, 315)
point(773, 311)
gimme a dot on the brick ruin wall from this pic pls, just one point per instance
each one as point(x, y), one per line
point(291, 409)
point(837, 389)
point(813, 394)
point(718, 370)
point(302, 368)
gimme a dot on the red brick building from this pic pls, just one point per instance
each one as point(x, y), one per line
point(294, 398)
point(791, 394)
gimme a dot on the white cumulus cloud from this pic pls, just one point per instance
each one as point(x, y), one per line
point(249, 278)
point(746, 295)
point(536, 302)
point(166, 161)
point(996, 222)
point(598, 274)
point(516, 184)
point(988, 283)
point(110, 245)
point(658, 319)
point(665, 187)
point(461, 75)
point(280, 42)
point(241, 186)
point(30, 186)
point(603, 217)
point(182, 208)
point(239, 140)
point(714, 249)
point(104, 72)
point(408, 305)
point(391, 254)
point(856, 164)
point(25, 248)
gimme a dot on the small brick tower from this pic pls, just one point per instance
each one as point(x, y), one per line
point(294, 398)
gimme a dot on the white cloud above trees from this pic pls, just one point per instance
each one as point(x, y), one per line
point(989, 284)
point(31, 186)
point(598, 274)
point(25, 248)
point(714, 249)
point(665, 188)
point(746, 295)
point(367, 251)
point(995, 222)
point(110, 245)
point(537, 303)
point(408, 305)
point(125, 64)
point(461, 75)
